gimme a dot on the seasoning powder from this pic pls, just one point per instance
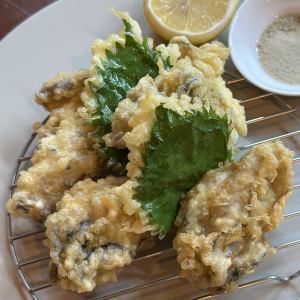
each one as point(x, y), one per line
point(279, 49)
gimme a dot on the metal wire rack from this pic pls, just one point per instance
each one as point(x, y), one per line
point(238, 85)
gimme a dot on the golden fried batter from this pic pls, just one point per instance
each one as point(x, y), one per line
point(223, 219)
point(64, 155)
point(98, 226)
point(79, 232)
point(209, 58)
point(95, 232)
point(57, 91)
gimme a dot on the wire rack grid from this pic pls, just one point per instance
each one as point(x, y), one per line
point(255, 118)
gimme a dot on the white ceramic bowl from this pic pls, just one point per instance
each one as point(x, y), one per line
point(246, 28)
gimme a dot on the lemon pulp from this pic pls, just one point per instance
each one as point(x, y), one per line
point(199, 20)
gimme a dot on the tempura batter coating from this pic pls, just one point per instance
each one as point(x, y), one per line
point(223, 219)
point(81, 210)
point(79, 233)
point(57, 91)
point(95, 232)
point(209, 58)
point(64, 155)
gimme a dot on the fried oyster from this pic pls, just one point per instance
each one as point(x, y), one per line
point(57, 91)
point(98, 226)
point(223, 220)
point(64, 154)
point(95, 232)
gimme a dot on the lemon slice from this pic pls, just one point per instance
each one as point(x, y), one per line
point(199, 20)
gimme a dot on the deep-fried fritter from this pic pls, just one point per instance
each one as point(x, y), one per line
point(64, 155)
point(95, 232)
point(57, 91)
point(78, 247)
point(223, 219)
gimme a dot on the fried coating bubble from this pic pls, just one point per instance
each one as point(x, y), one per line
point(224, 218)
point(95, 232)
point(64, 155)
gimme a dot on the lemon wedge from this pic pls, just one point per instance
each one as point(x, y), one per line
point(199, 20)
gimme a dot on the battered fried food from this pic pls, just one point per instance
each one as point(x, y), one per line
point(98, 226)
point(95, 232)
point(93, 215)
point(57, 91)
point(224, 218)
point(64, 155)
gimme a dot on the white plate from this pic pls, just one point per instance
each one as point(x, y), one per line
point(58, 38)
point(246, 28)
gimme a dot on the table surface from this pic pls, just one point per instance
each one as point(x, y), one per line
point(13, 12)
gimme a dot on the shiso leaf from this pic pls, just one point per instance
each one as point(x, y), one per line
point(182, 148)
point(121, 71)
